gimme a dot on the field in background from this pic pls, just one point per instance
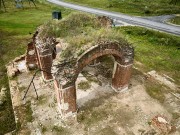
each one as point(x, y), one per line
point(16, 29)
point(155, 50)
point(133, 7)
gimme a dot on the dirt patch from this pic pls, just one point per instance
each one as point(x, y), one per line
point(101, 110)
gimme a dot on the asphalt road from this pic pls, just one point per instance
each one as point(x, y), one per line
point(160, 26)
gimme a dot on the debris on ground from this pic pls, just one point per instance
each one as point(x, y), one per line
point(162, 125)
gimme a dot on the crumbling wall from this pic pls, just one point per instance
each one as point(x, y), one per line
point(46, 52)
point(31, 58)
point(40, 54)
point(67, 72)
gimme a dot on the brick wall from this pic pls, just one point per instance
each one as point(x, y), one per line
point(31, 57)
point(122, 71)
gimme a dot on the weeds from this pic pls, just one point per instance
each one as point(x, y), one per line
point(84, 85)
point(60, 130)
point(175, 20)
point(155, 90)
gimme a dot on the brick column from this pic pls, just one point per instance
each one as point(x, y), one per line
point(46, 64)
point(66, 99)
point(30, 58)
point(121, 76)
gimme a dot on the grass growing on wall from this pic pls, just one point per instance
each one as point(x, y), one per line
point(155, 50)
point(16, 26)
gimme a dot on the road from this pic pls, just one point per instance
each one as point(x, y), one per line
point(160, 26)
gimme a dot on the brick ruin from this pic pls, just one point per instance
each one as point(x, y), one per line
point(66, 73)
point(42, 52)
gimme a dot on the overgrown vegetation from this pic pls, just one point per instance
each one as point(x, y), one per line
point(81, 31)
point(134, 7)
point(156, 50)
point(155, 90)
point(26, 113)
point(84, 85)
point(175, 20)
point(16, 26)
point(60, 130)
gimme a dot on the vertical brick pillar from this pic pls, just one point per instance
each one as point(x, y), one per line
point(121, 76)
point(46, 64)
point(30, 58)
point(66, 98)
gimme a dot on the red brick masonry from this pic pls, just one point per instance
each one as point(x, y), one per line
point(65, 78)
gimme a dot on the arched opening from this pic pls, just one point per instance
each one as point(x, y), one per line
point(94, 81)
point(65, 80)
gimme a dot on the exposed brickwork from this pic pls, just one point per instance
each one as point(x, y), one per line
point(42, 51)
point(68, 72)
point(41, 54)
point(68, 97)
point(161, 124)
point(121, 76)
point(46, 64)
point(31, 58)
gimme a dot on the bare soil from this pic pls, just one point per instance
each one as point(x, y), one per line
point(102, 111)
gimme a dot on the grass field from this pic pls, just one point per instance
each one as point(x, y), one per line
point(15, 28)
point(156, 51)
point(133, 7)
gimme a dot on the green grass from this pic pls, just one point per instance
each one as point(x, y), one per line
point(15, 26)
point(80, 30)
point(28, 112)
point(155, 50)
point(84, 85)
point(175, 20)
point(60, 130)
point(133, 7)
point(155, 90)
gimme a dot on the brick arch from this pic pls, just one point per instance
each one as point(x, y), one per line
point(66, 90)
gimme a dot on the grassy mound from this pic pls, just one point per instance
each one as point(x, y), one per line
point(80, 31)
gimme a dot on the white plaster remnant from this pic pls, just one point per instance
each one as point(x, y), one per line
point(162, 120)
point(121, 89)
point(162, 79)
point(22, 66)
point(31, 52)
point(114, 69)
point(65, 106)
